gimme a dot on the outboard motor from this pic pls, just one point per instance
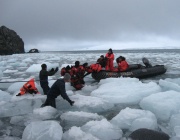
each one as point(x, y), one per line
point(146, 62)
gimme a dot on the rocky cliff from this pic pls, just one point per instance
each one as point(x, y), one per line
point(10, 42)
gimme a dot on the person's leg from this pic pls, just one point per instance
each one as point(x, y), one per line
point(111, 65)
point(45, 89)
point(46, 103)
point(52, 102)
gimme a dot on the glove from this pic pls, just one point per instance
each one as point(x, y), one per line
point(52, 70)
point(56, 69)
point(18, 94)
point(71, 102)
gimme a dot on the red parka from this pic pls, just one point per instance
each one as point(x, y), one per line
point(109, 63)
point(123, 65)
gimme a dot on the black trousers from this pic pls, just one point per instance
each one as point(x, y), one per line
point(45, 88)
point(49, 102)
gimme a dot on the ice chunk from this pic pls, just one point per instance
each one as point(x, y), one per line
point(163, 104)
point(175, 120)
point(168, 85)
point(23, 64)
point(76, 118)
point(19, 107)
point(14, 87)
point(86, 104)
point(175, 124)
point(177, 131)
point(54, 59)
point(3, 63)
point(134, 119)
point(75, 133)
point(103, 130)
point(1, 73)
point(10, 71)
point(1, 124)
point(125, 90)
point(4, 96)
point(46, 112)
point(37, 67)
point(43, 130)
point(9, 138)
point(17, 120)
point(27, 60)
point(11, 60)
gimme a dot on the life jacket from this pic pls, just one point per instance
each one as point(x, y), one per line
point(123, 65)
point(29, 87)
point(77, 83)
point(66, 69)
point(78, 71)
point(63, 71)
point(95, 67)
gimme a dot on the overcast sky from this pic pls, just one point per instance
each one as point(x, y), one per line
point(93, 24)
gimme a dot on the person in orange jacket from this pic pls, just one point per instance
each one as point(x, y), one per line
point(77, 76)
point(28, 87)
point(110, 58)
point(66, 69)
point(122, 64)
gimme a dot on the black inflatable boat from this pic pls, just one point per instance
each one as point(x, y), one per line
point(135, 71)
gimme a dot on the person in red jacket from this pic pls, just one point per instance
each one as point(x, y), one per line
point(122, 64)
point(66, 69)
point(77, 77)
point(110, 58)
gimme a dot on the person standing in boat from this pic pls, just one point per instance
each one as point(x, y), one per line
point(122, 64)
point(110, 58)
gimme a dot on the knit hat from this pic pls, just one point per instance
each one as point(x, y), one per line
point(43, 66)
point(77, 64)
point(110, 50)
point(67, 77)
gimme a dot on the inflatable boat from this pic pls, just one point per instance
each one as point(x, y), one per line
point(135, 71)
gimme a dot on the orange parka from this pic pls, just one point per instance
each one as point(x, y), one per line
point(109, 63)
point(123, 65)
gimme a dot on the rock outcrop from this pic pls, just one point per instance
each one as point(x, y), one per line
point(10, 42)
point(33, 51)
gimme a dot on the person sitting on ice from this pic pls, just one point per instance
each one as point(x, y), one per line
point(122, 64)
point(58, 88)
point(28, 87)
point(43, 77)
point(110, 58)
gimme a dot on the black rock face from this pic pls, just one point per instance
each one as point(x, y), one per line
point(33, 51)
point(10, 42)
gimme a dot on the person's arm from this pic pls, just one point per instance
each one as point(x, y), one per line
point(51, 72)
point(64, 94)
point(111, 56)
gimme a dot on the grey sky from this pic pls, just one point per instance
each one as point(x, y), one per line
point(93, 24)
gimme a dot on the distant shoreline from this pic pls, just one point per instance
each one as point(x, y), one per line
point(116, 51)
